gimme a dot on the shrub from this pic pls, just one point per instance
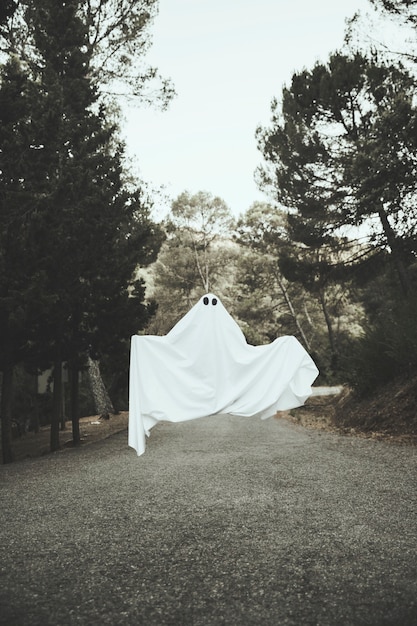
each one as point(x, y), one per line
point(388, 347)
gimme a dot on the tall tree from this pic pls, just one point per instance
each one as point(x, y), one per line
point(287, 290)
point(263, 230)
point(197, 257)
point(200, 220)
point(86, 225)
point(319, 150)
point(118, 36)
point(18, 283)
point(101, 224)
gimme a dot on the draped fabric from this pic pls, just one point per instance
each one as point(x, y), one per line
point(204, 366)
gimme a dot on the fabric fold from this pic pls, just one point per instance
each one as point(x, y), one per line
point(204, 366)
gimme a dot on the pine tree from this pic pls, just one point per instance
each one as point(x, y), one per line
point(92, 230)
point(332, 159)
point(18, 282)
point(86, 225)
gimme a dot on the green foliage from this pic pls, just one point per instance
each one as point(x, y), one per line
point(90, 228)
point(404, 9)
point(118, 36)
point(18, 280)
point(266, 303)
point(259, 304)
point(341, 155)
point(388, 344)
point(198, 256)
point(73, 224)
point(200, 219)
point(7, 9)
point(285, 288)
point(341, 152)
point(387, 348)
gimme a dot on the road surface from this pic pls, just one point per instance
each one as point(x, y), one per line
point(222, 521)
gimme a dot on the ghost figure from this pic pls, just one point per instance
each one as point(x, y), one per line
point(204, 366)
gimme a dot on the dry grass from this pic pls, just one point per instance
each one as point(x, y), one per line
point(390, 414)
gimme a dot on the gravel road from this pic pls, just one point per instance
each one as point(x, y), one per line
point(222, 521)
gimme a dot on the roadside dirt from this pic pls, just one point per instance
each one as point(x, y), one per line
point(390, 410)
point(389, 414)
point(92, 429)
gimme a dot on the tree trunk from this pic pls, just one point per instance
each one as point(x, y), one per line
point(330, 332)
point(203, 271)
point(63, 407)
point(6, 415)
point(102, 402)
point(292, 311)
point(56, 405)
point(396, 251)
point(74, 402)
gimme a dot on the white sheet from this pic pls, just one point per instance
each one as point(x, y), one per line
point(204, 366)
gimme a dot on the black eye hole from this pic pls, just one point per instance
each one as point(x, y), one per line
point(206, 300)
point(214, 301)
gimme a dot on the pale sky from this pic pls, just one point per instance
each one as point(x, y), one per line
point(227, 60)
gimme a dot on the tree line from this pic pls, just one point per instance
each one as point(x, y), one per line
point(74, 223)
point(340, 156)
point(331, 258)
point(252, 264)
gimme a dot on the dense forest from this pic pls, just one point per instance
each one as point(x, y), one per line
point(331, 258)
